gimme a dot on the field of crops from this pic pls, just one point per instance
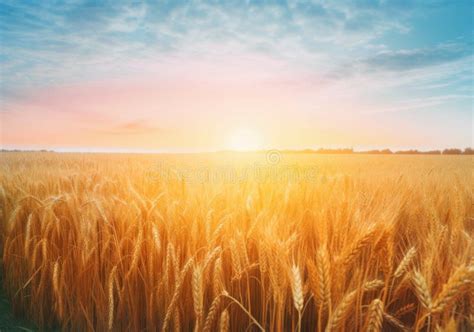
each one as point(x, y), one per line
point(238, 242)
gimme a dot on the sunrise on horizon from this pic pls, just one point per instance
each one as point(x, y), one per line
point(193, 76)
point(236, 166)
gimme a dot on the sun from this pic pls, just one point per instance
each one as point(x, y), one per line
point(245, 139)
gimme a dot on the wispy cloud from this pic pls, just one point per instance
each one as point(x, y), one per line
point(137, 127)
point(80, 37)
point(46, 44)
point(407, 59)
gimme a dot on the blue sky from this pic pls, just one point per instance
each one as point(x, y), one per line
point(336, 73)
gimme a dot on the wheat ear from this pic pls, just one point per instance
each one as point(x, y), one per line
point(405, 263)
point(454, 287)
point(375, 316)
point(421, 289)
point(297, 288)
point(111, 298)
point(57, 289)
point(357, 248)
point(395, 322)
point(197, 293)
point(324, 282)
point(212, 315)
point(224, 322)
point(342, 310)
point(177, 292)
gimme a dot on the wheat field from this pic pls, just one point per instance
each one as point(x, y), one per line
point(117, 242)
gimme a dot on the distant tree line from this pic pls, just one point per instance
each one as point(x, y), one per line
point(454, 151)
point(17, 150)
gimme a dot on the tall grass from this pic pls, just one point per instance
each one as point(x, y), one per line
point(98, 242)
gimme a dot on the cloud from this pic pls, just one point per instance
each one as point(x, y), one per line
point(401, 60)
point(136, 127)
point(47, 44)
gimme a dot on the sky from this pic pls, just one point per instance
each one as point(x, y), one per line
point(211, 75)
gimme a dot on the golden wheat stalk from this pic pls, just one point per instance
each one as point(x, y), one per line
point(297, 288)
point(136, 251)
point(217, 283)
point(405, 263)
point(177, 321)
point(454, 287)
point(421, 289)
point(156, 238)
point(111, 298)
point(249, 314)
point(324, 280)
point(224, 322)
point(56, 289)
point(404, 310)
point(394, 321)
point(177, 292)
point(197, 286)
point(343, 308)
point(354, 251)
point(375, 316)
point(28, 240)
point(313, 279)
point(212, 315)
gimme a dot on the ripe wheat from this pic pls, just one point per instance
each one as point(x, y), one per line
point(110, 242)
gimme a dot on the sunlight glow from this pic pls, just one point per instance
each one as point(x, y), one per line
point(245, 139)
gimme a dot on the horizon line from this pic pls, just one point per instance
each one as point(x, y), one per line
point(320, 150)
